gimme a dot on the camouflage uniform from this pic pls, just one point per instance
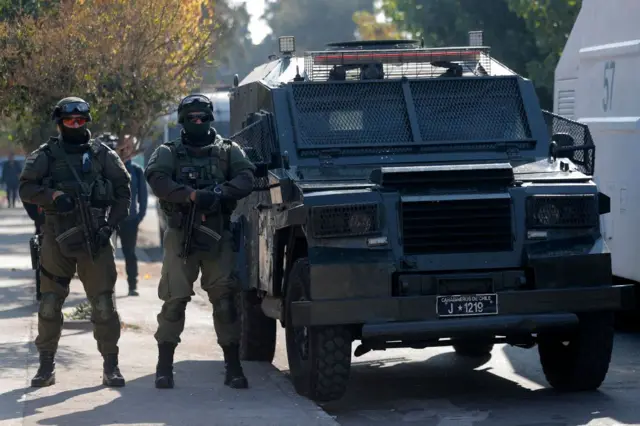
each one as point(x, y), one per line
point(48, 171)
point(212, 162)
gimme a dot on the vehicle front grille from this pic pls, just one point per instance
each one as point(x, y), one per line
point(457, 226)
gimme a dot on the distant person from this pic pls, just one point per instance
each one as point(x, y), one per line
point(11, 178)
point(128, 232)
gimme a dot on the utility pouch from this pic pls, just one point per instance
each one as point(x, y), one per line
point(102, 193)
point(72, 242)
point(205, 239)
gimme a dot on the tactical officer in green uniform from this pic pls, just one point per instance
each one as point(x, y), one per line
point(62, 175)
point(212, 173)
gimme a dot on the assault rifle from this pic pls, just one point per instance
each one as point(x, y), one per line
point(188, 231)
point(192, 224)
point(83, 199)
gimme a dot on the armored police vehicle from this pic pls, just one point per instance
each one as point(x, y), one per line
point(417, 197)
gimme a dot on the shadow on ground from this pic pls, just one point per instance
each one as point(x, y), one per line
point(447, 383)
point(198, 385)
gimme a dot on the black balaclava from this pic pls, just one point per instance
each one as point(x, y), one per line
point(197, 134)
point(73, 106)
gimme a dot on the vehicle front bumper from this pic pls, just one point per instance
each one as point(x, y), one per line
point(521, 310)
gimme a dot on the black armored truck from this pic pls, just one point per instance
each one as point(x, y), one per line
point(417, 197)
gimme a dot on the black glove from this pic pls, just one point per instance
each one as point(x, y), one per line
point(64, 203)
point(104, 235)
point(206, 200)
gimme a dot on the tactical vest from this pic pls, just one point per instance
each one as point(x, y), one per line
point(203, 171)
point(62, 178)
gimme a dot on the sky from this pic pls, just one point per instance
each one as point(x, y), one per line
point(257, 28)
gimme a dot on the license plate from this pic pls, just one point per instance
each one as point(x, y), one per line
point(467, 305)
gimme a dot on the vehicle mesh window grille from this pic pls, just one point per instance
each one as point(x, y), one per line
point(584, 158)
point(258, 141)
point(457, 226)
point(351, 114)
point(375, 115)
point(474, 109)
point(345, 220)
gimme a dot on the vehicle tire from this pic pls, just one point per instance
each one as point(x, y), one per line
point(319, 357)
point(258, 331)
point(583, 363)
point(472, 348)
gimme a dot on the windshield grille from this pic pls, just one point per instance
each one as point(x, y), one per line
point(391, 114)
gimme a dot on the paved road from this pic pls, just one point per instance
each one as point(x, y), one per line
point(434, 387)
point(78, 398)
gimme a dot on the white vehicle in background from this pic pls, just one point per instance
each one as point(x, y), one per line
point(597, 83)
point(171, 131)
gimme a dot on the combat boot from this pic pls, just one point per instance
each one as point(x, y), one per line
point(164, 369)
point(46, 375)
point(111, 374)
point(234, 376)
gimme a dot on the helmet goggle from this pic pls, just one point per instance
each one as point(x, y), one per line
point(196, 98)
point(70, 108)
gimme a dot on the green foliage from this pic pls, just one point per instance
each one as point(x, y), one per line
point(526, 35)
point(148, 53)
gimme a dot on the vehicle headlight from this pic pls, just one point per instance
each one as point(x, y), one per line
point(345, 220)
point(562, 211)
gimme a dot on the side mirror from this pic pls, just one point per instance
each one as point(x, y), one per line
point(563, 146)
point(564, 140)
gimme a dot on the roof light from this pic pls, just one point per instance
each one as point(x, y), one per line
point(356, 58)
point(475, 38)
point(287, 44)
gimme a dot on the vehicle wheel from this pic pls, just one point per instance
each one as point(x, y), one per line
point(473, 349)
point(258, 338)
point(582, 363)
point(319, 357)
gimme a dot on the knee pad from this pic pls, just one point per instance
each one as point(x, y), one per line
point(174, 310)
point(224, 309)
point(103, 308)
point(50, 307)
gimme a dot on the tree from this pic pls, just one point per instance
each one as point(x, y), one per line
point(550, 23)
point(369, 28)
point(128, 59)
point(314, 23)
point(526, 35)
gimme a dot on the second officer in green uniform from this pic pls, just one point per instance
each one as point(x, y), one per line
point(204, 169)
